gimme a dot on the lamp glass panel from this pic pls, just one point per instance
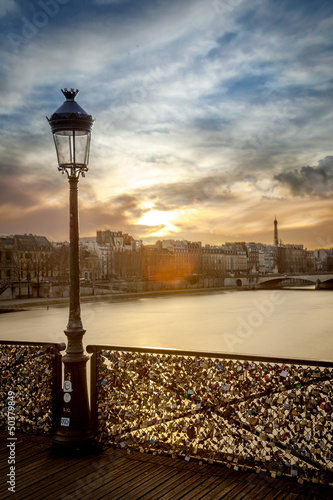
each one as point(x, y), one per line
point(82, 143)
point(64, 146)
point(72, 147)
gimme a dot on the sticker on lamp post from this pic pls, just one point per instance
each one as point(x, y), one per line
point(68, 386)
point(67, 397)
point(64, 422)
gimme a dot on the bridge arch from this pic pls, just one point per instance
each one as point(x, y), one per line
point(315, 279)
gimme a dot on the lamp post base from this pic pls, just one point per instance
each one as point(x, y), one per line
point(73, 445)
point(74, 433)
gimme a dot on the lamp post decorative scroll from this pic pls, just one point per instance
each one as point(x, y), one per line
point(71, 129)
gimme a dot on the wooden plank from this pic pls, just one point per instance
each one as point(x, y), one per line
point(202, 489)
point(48, 480)
point(321, 493)
point(275, 495)
point(142, 485)
point(183, 487)
point(24, 450)
point(172, 483)
point(312, 491)
point(239, 492)
point(222, 489)
point(116, 474)
point(45, 471)
point(111, 483)
point(258, 492)
point(135, 455)
point(294, 496)
point(83, 481)
point(156, 482)
point(266, 482)
point(28, 454)
point(85, 485)
point(63, 472)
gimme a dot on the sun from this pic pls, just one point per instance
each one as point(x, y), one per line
point(147, 204)
point(160, 218)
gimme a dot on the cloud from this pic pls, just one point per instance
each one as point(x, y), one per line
point(317, 181)
point(211, 189)
point(210, 109)
point(7, 7)
point(111, 2)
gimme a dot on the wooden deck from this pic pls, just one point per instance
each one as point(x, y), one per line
point(114, 474)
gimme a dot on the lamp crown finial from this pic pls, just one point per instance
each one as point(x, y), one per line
point(70, 94)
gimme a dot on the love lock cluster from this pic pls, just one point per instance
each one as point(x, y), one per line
point(26, 371)
point(266, 416)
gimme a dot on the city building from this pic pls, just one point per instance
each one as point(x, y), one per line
point(7, 251)
point(224, 259)
point(186, 256)
point(323, 259)
point(253, 257)
point(109, 245)
point(114, 256)
point(25, 257)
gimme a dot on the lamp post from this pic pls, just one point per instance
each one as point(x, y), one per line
point(71, 129)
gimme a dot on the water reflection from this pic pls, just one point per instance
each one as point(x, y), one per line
point(278, 323)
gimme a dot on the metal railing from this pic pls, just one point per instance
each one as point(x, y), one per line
point(269, 414)
point(31, 376)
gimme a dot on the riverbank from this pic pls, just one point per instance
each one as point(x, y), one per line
point(15, 305)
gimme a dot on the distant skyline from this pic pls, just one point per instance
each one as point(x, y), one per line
point(211, 118)
point(153, 241)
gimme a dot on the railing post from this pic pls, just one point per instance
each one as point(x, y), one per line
point(93, 388)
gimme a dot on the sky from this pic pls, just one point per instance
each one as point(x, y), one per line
point(211, 118)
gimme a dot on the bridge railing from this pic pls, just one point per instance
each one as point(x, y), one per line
point(269, 414)
point(30, 393)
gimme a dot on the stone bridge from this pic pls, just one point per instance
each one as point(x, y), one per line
point(321, 281)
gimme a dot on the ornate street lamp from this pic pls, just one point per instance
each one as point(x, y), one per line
point(71, 129)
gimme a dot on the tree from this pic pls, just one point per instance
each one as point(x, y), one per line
point(59, 265)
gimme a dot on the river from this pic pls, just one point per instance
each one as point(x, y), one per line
point(286, 323)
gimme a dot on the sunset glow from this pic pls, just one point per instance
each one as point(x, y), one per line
point(157, 218)
point(210, 119)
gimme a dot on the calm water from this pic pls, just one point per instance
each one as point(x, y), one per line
point(293, 323)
